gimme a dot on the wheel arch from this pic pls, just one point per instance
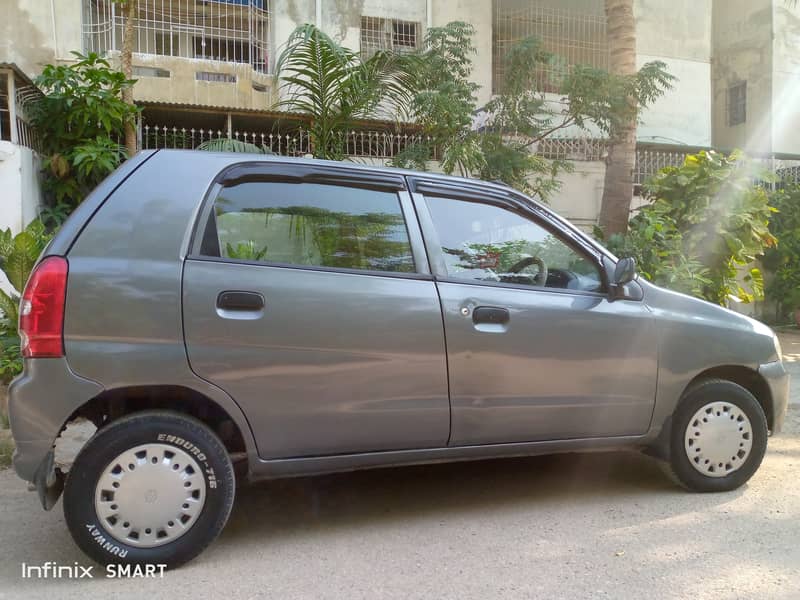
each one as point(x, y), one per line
point(226, 421)
point(748, 378)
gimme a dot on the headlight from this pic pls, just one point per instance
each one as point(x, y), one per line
point(777, 343)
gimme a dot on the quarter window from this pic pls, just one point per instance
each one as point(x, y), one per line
point(309, 225)
point(486, 243)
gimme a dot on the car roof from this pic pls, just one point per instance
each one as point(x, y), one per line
point(231, 157)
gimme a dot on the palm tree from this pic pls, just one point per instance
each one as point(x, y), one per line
point(336, 87)
point(126, 57)
point(618, 185)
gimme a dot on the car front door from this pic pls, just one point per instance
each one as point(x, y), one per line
point(307, 297)
point(536, 350)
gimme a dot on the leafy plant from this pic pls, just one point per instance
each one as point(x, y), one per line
point(81, 120)
point(229, 145)
point(705, 222)
point(52, 217)
point(336, 87)
point(245, 251)
point(18, 255)
point(10, 358)
point(783, 260)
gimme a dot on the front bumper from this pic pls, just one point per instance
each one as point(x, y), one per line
point(40, 401)
point(777, 378)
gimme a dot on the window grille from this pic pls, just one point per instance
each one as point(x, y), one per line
point(573, 36)
point(220, 30)
point(737, 104)
point(388, 34)
point(217, 77)
point(5, 109)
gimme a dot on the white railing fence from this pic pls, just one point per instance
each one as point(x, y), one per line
point(374, 144)
point(650, 158)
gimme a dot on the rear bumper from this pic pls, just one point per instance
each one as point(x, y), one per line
point(774, 373)
point(40, 401)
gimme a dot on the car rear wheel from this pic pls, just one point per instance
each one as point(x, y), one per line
point(718, 437)
point(155, 487)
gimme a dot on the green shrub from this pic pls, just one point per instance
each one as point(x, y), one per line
point(80, 120)
point(783, 260)
point(18, 255)
point(703, 223)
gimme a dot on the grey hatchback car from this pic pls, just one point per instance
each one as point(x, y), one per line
point(222, 317)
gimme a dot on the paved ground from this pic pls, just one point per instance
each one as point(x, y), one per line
point(591, 526)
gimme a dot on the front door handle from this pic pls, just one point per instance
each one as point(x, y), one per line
point(236, 300)
point(490, 314)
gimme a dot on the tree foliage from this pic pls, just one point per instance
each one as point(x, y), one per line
point(336, 87)
point(521, 114)
point(80, 121)
point(783, 259)
point(704, 222)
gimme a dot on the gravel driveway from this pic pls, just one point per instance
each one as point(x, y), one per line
point(590, 526)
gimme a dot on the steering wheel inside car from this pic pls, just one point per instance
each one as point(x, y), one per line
point(540, 278)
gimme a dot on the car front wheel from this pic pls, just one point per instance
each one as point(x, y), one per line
point(154, 487)
point(718, 437)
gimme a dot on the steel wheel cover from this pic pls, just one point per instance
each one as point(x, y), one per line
point(718, 439)
point(150, 495)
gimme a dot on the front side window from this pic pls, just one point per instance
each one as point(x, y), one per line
point(486, 243)
point(310, 224)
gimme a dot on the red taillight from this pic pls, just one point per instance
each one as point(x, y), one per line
point(41, 309)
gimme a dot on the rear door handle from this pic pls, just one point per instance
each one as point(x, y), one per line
point(237, 300)
point(490, 314)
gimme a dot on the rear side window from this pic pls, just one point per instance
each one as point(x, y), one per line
point(309, 224)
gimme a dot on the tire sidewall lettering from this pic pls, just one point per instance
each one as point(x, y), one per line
point(197, 453)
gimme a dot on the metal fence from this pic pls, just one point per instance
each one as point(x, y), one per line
point(373, 144)
point(575, 36)
point(220, 30)
point(650, 158)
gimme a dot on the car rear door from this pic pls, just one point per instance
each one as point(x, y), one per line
point(536, 351)
point(308, 298)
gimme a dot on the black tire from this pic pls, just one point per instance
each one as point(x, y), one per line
point(680, 467)
point(157, 427)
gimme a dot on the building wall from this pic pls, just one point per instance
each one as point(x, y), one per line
point(250, 89)
point(19, 169)
point(786, 78)
point(479, 14)
point(677, 33)
point(19, 180)
point(742, 51)
point(29, 38)
point(581, 194)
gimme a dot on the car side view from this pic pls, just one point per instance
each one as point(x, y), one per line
point(226, 317)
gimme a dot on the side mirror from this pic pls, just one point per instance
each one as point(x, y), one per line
point(625, 271)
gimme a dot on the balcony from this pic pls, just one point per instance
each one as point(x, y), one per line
point(207, 52)
point(573, 30)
